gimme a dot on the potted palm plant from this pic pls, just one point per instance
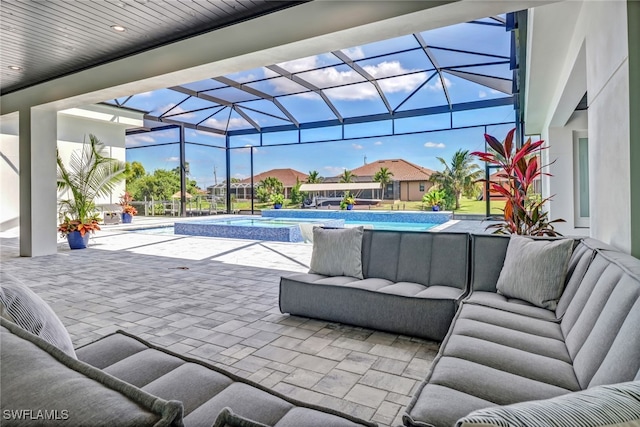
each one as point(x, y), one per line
point(435, 199)
point(347, 202)
point(90, 174)
point(277, 199)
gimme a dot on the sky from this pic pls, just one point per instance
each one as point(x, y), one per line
point(405, 74)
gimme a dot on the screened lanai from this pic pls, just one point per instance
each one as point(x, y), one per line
point(415, 97)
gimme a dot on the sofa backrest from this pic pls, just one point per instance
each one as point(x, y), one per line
point(421, 257)
point(601, 321)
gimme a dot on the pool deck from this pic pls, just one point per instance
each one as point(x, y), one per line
point(217, 300)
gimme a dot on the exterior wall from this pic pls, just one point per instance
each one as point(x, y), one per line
point(411, 190)
point(561, 184)
point(9, 174)
point(608, 88)
point(72, 130)
point(595, 59)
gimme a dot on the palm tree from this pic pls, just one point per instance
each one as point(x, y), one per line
point(460, 176)
point(314, 177)
point(383, 176)
point(347, 176)
point(90, 174)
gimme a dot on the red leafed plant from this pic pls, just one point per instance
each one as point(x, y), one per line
point(125, 199)
point(70, 225)
point(524, 211)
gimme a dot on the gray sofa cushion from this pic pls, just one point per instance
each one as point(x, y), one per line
point(337, 252)
point(26, 309)
point(535, 270)
point(406, 308)
point(204, 390)
point(37, 376)
point(617, 404)
point(513, 305)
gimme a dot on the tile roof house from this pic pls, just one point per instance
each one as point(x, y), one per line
point(409, 181)
point(287, 176)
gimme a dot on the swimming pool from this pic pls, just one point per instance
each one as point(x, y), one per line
point(256, 228)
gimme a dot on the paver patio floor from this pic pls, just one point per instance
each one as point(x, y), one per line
point(217, 300)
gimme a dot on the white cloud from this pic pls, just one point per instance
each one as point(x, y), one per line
point(334, 170)
point(482, 94)
point(437, 85)
point(377, 143)
point(354, 53)
point(331, 76)
point(495, 92)
point(172, 159)
point(176, 110)
point(434, 144)
point(234, 123)
point(140, 139)
point(246, 150)
point(357, 146)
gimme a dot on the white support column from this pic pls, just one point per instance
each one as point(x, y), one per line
point(38, 143)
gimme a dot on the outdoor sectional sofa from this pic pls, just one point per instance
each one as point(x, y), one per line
point(121, 380)
point(499, 350)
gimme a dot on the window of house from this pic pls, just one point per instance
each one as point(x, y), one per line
point(422, 186)
point(581, 179)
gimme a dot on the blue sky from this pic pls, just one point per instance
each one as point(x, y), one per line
point(401, 69)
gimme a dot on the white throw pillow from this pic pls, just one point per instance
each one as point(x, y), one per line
point(23, 307)
point(535, 270)
point(337, 252)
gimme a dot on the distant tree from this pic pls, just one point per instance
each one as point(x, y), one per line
point(347, 176)
point(262, 195)
point(271, 185)
point(459, 177)
point(314, 177)
point(296, 196)
point(161, 185)
point(235, 180)
point(134, 170)
point(383, 176)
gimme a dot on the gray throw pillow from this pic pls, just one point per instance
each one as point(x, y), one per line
point(23, 307)
point(608, 405)
point(337, 252)
point(535, 270)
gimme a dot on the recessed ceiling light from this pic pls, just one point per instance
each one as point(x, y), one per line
point(118, 28)
point(15, 68)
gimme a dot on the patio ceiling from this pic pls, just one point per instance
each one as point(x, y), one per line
point(461, 67)
point(44, 40)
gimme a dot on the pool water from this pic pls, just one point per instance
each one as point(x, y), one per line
point(258, 222)
point(394, 226)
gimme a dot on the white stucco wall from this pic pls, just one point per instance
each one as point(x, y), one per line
point(9, 169)
point(72, 131)
point(595, 59)
point(609, 132)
